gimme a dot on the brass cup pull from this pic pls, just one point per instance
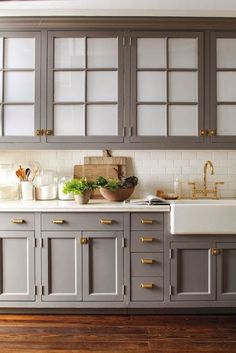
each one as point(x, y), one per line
point(146, 221)
point(18, 220)
point(215, 251)
point(147, 285)
point(147, 261)
point(84, 240)
point(58, 221)
point(146, 239)
point(106, 221)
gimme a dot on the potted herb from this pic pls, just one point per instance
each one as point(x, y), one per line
point(81, 188)
point(115, 189)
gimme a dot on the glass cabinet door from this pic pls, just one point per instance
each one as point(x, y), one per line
point(166, 87)
point(19, 87)
point(223, 83)
point(85, 99)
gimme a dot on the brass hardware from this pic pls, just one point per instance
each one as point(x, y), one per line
point(146, 239)
point(18, 220)
point(204, 192)
point(146, 285)
point(58, 221)
point(211, 132)
point(84, 240)
point(203, 132)
point(215, 251)
point(48, 132)
point(146, 221)
point(147, 261)
point(106, 221)
point(39, 132)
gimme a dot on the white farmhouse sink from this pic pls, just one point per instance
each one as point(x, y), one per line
point(203, 217)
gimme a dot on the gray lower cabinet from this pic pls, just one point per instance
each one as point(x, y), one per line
point(17, 266)
point(193, 271)
point(226, 264)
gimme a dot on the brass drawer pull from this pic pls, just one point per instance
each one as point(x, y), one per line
point(58, 221)
point(147, 261)
point(146, 221)
point(106, 221)
point(84, 240)
point(18, 220)
point(146, 239)
point(147, 285)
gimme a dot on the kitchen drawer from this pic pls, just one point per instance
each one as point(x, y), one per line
point(82, 221)
point(140, 265)
point(147, 241)
point(16, 221)
point(140, 293)
point(147, 221)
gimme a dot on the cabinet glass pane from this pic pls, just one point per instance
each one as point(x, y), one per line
point(19, 120)
point(102, 52)
point(151, 120)
point(151, 86)
point(226, 120)
point(19, 87)
point(226, 52)
point(102, 86)
point(69, 120)
point(183, 87)
point(226, 86)
point(1, 52)
point(183, 53)
point(20, 53)
point(183, 120)
point(151, 53)
point(69, 87)
point(102, 120)
point(69, 53)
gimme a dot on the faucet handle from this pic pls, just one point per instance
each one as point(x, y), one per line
point(218, 183)
point(193, 184)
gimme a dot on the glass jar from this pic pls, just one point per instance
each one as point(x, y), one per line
point(9, 186)
point(61, 184)
point(46, 185)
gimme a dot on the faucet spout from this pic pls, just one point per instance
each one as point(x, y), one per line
point(206, 165)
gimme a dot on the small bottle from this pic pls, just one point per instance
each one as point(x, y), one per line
point(178, 188)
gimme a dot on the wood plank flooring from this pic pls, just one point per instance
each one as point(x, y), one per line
point(117, 334)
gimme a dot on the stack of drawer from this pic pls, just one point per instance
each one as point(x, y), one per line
point(147, 257)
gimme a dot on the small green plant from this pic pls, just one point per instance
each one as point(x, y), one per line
point(79, 186)
point(115, 184)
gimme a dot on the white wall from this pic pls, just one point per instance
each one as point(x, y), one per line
point(155, 169)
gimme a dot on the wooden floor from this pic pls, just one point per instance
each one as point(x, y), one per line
point(117, 334)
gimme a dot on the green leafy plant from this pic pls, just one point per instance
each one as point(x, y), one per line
point(79, 186)
point(115, 184)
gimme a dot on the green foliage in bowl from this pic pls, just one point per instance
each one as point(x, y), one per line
point(116, 184)
point(79, 186)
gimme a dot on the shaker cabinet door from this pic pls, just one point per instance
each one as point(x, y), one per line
point(17, 266)
point(166, 87)
point(20, 87)
point(61, 266)
point(226, 264)
point(85, 87)
point(103, 266)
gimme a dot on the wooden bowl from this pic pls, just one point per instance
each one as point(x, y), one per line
point(117, 195)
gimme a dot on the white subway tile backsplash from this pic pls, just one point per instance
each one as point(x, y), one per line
point(155, 169)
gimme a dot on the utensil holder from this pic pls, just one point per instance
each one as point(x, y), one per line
point(27, 190)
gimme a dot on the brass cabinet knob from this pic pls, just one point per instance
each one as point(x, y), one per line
point(106, 221)
point(84, 240)
point(48, 132)
point(203, 132)
point(58, 221)
point(211, 132)
point(215, 251)
point(146, 285)
point(147, 261)
point(39, 132)
point(146, 221)
point(146, 239)
point(18, 220)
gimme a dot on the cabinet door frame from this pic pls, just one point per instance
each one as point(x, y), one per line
point(119, 138)
point(119, 296)
point(19, 297)
point(213, 84)
point(133, 120)
point(37, 93)
point(203, 245)
point(64, 297)
point(220, 275)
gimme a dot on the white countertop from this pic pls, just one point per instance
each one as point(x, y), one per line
point(71, 206)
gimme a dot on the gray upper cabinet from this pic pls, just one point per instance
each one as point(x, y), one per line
point(85, 87)
point(17, 266)
point(226, 264)
point(19, 86)
point(166, 87)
